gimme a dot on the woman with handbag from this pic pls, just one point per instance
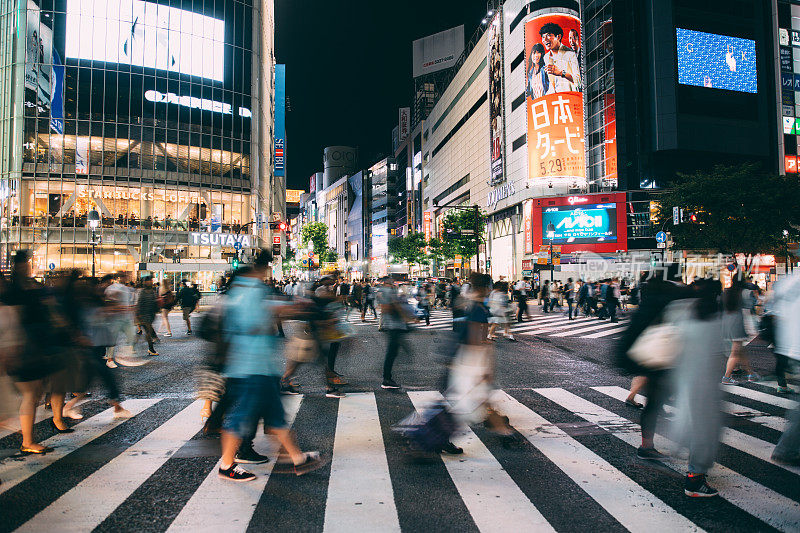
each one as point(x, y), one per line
point(657, 294)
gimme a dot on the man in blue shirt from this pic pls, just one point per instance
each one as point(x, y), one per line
point(253, 368)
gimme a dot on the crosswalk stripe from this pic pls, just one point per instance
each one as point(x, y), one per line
point(215, 501)
point(550, 327)
point(759, 396)
point(494, 501)
point(605, 333)
point(547, 322)
point(63, 445)
point(359, 455)
point(631, 505)
point(89, 502)
point(575, 333)
point(735, 439)
point(775, 509)
point(759, 417)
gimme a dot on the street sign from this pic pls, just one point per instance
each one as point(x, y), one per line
point(661, 237)
point(237, 246)
point(467, 232)
point(52, 266)
point(676, 215)
point(661, 245)
point(276, 239)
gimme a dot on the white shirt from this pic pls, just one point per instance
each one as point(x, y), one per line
point(567, 60)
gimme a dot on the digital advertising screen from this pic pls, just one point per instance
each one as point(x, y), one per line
point(716, 61)
point(554, 99)
point(581, 225)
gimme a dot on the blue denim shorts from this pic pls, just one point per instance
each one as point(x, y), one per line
point(251, 399)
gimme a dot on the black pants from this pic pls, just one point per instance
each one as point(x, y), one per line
point(569, 305)
point(522, 307)
point(150, 334)
point(97, 368)
point(395, 339)
point(369, 304)
point(781, 365)
point(657, 391)
point(333, 351)
point(612, 304)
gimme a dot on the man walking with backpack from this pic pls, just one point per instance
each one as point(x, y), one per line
point(252, 370)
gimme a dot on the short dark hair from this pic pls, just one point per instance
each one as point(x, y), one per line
point(552, 27)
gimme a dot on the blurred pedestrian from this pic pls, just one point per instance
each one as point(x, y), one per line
point(369, 301)
point(253, 369)
point(569, 295)
point(395, 323)
point(146, 308)
point(188, 298)
point(786, 309)
point(734, 330)
point(166, 303)
point(500, 310)
point(698, 420)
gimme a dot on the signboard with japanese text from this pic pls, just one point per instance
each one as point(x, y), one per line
point(527, 220)
point(404, 120)
point(427, 225)
point(496, 129)
point(554, 100)
point(587, 223)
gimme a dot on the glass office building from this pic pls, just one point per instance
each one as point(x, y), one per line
point(144, 111)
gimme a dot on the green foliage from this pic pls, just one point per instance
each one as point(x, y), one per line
point(437, 250)
point(316, 232)
point(739, 209)
point(408, 249)
point(329, 256)
point(456, 242)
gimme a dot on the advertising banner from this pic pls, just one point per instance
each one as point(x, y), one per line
point(610, 141)
point(280, 120)
point(496, 129)
point(527, 220)
point(786, 59)
point(554, 100)
point(57, 91)
point(437, 52)
point(716, 61)
point(38, 58)
point(427, 225)
point(82, 155)
point(404, 122)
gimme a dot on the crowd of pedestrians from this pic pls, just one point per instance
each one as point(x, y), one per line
point(61, 336)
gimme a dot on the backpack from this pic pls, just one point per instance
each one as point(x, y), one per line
point(166, 300)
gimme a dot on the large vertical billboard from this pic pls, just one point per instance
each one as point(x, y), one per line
point(495, 58)
point(554, 101)
point(280, 120)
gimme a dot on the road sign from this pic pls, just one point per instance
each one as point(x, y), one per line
point(661, 236)
point(276, 239)
point(237, 246)
point(661, 245)
point(52, 266)
point(676, 215)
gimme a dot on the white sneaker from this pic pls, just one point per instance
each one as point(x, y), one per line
point(121, 414)
point(168, 334)
point(110, 363)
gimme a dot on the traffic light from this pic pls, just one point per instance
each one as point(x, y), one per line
point(284, 227)
point(235, 263)
point(693, 218)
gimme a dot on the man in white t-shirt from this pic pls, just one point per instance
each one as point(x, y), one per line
point(561, 61)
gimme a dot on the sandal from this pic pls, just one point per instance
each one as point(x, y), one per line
point(33, 451)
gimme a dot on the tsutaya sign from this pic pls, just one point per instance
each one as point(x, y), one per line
point(219, 239)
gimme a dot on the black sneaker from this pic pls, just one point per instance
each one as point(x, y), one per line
point(697, 487)
point(452, 449)
point(236, 473)
point(389, 384)
point(248, 455)
point(289, 388)
point(650, 454)
point(334, 393)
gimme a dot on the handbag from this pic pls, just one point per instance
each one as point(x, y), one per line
point(660, 344)
point(301, 349)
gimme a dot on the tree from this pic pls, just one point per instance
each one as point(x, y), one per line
point(733, 209)
point(329, 255)
point(462, 233)
point(317, 233)
point(409, 249)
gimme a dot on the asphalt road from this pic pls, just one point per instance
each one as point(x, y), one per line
point(570, 467)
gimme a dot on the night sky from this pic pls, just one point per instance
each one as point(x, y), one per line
point(348, 70)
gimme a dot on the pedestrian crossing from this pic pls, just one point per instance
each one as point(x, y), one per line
point(555, 324)
point(572, 463)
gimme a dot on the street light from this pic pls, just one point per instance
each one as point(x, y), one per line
point(551, 233)
point(93, 217)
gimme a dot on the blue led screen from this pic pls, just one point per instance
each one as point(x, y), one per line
point(716, 61)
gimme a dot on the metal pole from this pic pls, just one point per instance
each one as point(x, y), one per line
point(552, 265)
point(477, 241)
point(94, 244)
